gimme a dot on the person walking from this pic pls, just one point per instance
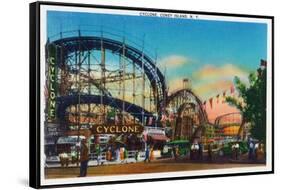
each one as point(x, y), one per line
point(210, 153)
point(121, 154)
point(177, 153)
point(137, 155)
point(192, 150)
point(84, 158)
point(151, 156)
point(98, 153)
point(251, 150)
point(147, 157)
point(196, 151)
point(174, 152)
point(233, 150)
point(117, 154)
point(108, 154)
point(261, 152)
point(256, 151)
point(125, 155)
point(112, 155)
point(236, 150)
point(200, 151)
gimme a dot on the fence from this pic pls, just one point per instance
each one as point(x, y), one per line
point(131, 155)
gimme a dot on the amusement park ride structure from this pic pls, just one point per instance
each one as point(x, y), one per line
point(105, 78)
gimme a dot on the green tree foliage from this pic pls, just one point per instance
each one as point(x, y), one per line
point(209, 131)
point(252, 102)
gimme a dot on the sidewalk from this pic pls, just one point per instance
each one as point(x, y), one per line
point(95, 163)
point(243, 159)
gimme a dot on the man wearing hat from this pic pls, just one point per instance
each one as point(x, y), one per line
point(84, 158)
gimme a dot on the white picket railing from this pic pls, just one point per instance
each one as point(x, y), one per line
point(131, 155)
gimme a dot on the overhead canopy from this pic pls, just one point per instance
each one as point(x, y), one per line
point(158, 137)
point(69, 139)
point(176, 142)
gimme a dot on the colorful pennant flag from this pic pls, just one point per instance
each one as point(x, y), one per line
point(223, 99)
point(218, 98)
point(211, 102)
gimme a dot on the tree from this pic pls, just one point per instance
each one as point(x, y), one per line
point(252, 102)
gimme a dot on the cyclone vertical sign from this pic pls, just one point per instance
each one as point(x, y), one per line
point(51, 56)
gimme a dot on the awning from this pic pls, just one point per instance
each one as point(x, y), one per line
point(158, 137)
point(69, 139)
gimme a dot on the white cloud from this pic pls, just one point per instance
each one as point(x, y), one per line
point(211, 80)
point(173, 61)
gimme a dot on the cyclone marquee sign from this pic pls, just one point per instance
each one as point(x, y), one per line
point(117, 129)
point(52, 81)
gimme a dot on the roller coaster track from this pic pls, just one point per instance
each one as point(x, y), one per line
point(87, 43)
point(69, 45)
point(66, 101)
point(185, 92)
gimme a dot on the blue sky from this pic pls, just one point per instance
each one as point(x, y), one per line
point(196, 49)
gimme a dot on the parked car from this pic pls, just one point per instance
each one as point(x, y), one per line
point(226, 149)
point(182, 145)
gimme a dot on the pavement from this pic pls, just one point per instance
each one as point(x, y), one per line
point(94, 163)
point(155, 166)
point(243, 159)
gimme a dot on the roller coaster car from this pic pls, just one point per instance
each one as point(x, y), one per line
point(182, 145)
point(226, 149)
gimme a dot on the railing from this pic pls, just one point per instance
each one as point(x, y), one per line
point(102, 159)
point(131, 155)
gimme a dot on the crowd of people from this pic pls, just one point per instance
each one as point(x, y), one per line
point(256, 151)
point(117, 154)
point(210, 151)
point(197, 152)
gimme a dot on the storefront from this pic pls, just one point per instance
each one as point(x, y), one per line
point(67, 144)
point(155, 137)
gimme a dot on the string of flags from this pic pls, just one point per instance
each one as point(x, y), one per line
point(263, 64)
point(217, 97)
point(171, 116)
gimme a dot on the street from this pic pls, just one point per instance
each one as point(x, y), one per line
point(141, 167)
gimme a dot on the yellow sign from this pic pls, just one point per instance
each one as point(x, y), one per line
point(52, 81)
point(117, 129)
